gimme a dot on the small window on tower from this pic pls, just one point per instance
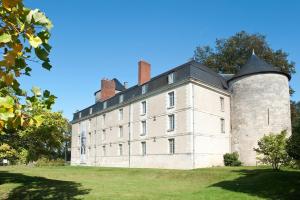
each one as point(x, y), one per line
point(104, 105)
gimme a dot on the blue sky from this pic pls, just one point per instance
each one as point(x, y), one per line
point(93, 39)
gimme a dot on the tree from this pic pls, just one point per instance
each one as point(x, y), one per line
point(230, 54)
point(48, 139)
point(293, 144)
point(24, 38)
point(272, 150)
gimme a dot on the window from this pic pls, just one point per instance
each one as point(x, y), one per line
point(144, 128)
point(171, 78)
point(104, 150)
point(144, 107)
point(104, 104)
point(83, 144)
point(120, 149)
point(222, 103)
point(144, 150)
point(121, 98)
point(80, 115)
point(144, 88)
point(171, 122)
point(222, 125)
point(121, 114)
point(103, 134)
point(91, 111)
point(104, 118)
point(171, 146)
point(120, 131)
point(171, 99)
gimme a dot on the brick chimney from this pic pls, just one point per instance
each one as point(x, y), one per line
point(108, 89)
point(144, 72)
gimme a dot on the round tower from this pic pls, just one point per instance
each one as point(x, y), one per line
point(260, 104)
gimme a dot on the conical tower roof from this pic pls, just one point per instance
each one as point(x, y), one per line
point(255, 65)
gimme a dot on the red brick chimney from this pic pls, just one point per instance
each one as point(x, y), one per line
point(144, 72)
point(108, 89)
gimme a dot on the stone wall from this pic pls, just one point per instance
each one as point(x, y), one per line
point(260, 104)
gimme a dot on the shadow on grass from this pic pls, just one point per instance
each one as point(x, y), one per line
point(265, 183)
point(33, 187)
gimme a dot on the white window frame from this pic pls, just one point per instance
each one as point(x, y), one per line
point(144, 148)
point(171, 103)
point(120, 149)
point(171, 146)
point(143, 128)
point(121, 114)
point(171, 78)
point(104, 104)
point(171, 122)
point(91, 110)
point(121, 131)
point(103, 134)
point(222, 101)
point(143, 107)
point(222, 124)
point(104, 150)
point(80, 115)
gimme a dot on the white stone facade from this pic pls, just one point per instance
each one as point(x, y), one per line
point(199, 140)
point(208, 122)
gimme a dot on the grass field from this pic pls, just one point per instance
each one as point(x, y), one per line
point(115, 183)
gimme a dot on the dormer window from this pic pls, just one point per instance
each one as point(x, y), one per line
point(121, 98)
point(144, 88)
point(171, 78)
point(91, 111)
point(104, 104)
point(80, 115)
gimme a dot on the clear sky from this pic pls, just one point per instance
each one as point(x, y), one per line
point(93, 39)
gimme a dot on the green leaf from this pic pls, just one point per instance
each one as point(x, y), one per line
point(35, 41)
point(42, 54)
point(4, 38)
point(39, 18)
point(6, 115)
point(47, 65)
point(7, 102)
point(36, 91)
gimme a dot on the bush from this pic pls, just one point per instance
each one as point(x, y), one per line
point(272, 150)
point(46, 162)
point(232, 159)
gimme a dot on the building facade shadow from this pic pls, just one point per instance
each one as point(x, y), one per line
point(39, 188)
point(265, 183)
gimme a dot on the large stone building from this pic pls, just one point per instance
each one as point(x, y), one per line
point(185, 118)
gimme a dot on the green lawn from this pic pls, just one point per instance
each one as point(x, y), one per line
point(117, 183)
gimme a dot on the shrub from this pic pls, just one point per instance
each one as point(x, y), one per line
point(46, 162)
point(272, 150)
point(232, 159)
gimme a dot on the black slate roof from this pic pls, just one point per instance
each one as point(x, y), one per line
point(255, 65)
point(186, 71)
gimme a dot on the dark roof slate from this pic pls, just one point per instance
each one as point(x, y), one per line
point(255, 65)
